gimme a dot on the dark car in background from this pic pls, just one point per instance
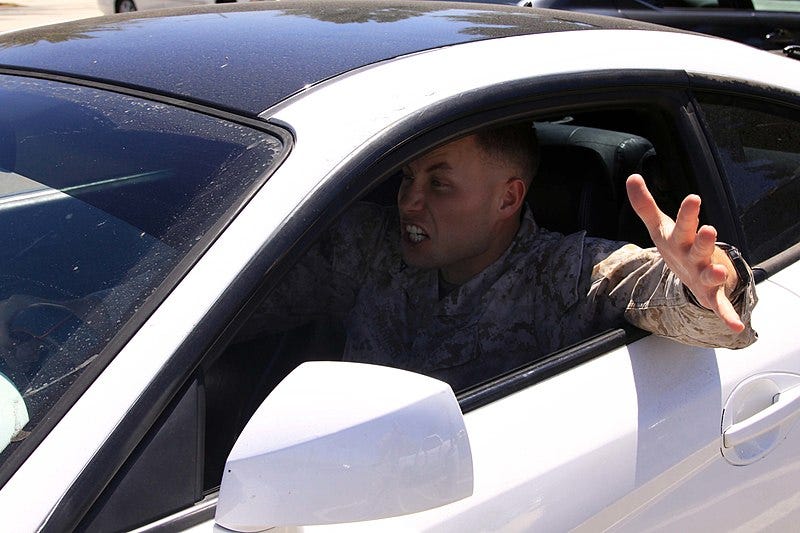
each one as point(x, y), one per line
point(765, 24)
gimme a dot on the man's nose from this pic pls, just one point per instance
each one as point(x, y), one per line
point(411, 197)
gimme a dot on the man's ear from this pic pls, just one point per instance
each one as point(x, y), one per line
point(513, 196)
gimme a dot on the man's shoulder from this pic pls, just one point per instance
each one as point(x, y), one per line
point(361, 212)
point(559, 263)
point(555, 245)
point(361, 235)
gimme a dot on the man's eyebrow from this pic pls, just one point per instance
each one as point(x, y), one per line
point(443, 165)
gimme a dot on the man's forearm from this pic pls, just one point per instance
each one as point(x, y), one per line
point(652, 297)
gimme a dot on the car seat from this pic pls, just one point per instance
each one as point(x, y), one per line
point(580, 183)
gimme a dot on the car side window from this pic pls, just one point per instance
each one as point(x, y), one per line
point(777, 5)
point(759, 150)
point(355, 280)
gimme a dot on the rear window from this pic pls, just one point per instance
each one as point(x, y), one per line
point(101, 196)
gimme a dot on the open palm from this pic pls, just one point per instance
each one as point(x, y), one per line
point(690, 252)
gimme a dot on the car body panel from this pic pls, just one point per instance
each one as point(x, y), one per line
point(788, 279)
point(752, 497)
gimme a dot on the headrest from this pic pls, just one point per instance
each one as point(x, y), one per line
point(581, 179)
point(621, 153)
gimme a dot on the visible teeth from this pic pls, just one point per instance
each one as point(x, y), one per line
point(415, 233)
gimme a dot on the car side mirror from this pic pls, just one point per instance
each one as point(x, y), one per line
point(13, 412)
point(343, 442)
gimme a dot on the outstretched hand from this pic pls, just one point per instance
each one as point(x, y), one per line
point(690, 252)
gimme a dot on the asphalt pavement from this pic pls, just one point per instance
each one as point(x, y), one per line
point(21, 14)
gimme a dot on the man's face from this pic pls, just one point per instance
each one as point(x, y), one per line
point(449, 210)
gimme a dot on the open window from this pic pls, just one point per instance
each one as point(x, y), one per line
point(586, 155)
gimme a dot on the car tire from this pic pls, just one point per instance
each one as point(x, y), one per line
point(124, 6)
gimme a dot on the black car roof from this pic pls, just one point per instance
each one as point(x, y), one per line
point(247, 57)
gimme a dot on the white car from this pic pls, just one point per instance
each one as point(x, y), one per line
point(149, 205)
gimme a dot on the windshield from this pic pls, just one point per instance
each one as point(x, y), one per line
point(101, 195)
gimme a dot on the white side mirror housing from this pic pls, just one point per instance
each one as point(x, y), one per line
point(343, 442)
point(13, 413)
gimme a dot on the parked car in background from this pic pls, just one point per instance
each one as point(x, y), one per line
point(126, 6)
point(171, 192)
point(766, 24)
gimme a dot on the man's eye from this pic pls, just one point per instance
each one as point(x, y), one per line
point(438, 184)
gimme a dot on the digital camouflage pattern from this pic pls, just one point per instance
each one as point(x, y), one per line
point(546, 292)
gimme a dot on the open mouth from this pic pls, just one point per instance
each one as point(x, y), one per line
point(415, 233)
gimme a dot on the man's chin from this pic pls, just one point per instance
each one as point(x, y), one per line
point(416, 259)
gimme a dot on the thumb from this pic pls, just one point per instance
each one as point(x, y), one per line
point(643, 202)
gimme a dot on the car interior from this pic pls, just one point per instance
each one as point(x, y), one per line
point(580, 185)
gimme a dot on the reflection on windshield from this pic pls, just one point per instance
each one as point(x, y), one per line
point(101, 196)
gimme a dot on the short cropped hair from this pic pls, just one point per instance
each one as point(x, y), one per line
point(515, 144)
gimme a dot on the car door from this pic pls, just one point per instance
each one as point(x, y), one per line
point(624, 430)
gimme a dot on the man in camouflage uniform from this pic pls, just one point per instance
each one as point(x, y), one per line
point(460, 283)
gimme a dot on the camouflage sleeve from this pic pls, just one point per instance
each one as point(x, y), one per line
point(325, 280)
point(638, 284)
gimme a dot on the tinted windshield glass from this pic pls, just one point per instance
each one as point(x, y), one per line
point(101, 195)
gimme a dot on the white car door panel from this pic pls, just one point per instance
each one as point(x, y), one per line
point(685, 483)
point(789, 278)
point(539, 455)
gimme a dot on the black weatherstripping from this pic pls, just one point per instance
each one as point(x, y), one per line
point(537, 372)
point(248, 57)
point(775, 264)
